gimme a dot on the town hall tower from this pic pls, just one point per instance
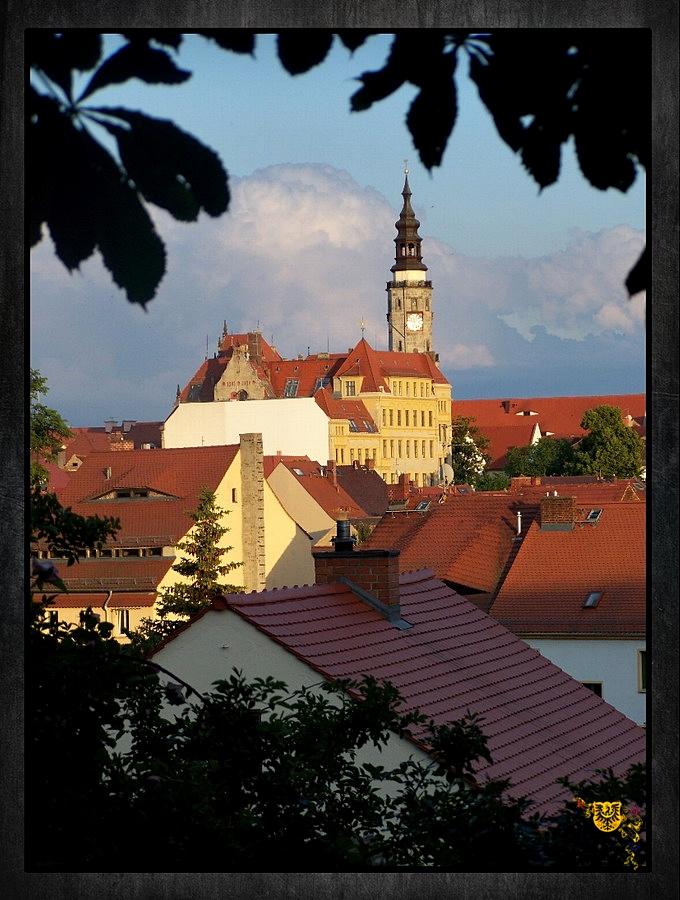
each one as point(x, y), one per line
point(409, 294)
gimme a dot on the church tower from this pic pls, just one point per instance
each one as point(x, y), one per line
point(409, 294)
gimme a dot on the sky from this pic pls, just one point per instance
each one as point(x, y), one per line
point(529, 296)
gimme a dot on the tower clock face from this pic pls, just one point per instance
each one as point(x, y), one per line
point(414, 321)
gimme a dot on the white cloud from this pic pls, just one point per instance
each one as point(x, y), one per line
point(304, 255)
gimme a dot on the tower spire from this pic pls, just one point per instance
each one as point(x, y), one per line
point(408, 241)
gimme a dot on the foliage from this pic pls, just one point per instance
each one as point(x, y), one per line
point(47, 428)
point(468, 451)
point(492, 481)
point(363, 530)
point(201, 567)
point(133, 770)
point(611, 448)
point(548, 456)
point(543, 88)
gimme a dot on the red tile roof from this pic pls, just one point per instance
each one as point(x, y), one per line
point(466, 540)
point(115, 574)
point(541, 723)
point(342, 408)
point(116, 600)
point(377, 366)
point(508, 422)
point(332, 498)
point(555, 571)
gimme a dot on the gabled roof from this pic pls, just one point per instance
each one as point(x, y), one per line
point(180, 472)
point(310, 373)
point(465, 540)
point(554, 572)
point(330, 496)
point(365, 486)
point(541, 723)
point(113, 600)
point(377, 366)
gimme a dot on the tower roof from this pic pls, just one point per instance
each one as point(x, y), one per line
point(408, 253)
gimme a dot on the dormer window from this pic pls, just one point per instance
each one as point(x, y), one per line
point(592, 599)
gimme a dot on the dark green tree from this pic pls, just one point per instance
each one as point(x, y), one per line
point(202, 568)
point(611, 448)
point(548, 456)
point(469, 455)
point(492, 481)
point(48, 429)
point(544, 88)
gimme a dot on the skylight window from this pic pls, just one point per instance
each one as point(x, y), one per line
point(593, 515)
point(298, 471)
point(423, 505)
point(321, 383)
point(593, 599)
point(353, 425)
point(291, 387)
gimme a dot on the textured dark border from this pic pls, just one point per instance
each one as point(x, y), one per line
point(661, 17)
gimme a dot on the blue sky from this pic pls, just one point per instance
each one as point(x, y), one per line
point(528, 288)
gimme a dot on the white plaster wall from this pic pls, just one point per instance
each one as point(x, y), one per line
point(292, 426)
point(221, 640)
point(613, 662)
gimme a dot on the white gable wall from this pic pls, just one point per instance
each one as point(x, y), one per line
point(294, 427)
point(612, 662)
point(221, 641)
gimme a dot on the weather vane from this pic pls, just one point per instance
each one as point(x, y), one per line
point(362, 325)
point(405, 167)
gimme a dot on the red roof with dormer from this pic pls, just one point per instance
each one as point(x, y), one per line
point(541, 723)
point(555, 571)
point(319, 484)
point(509, 423)
point(378, 366)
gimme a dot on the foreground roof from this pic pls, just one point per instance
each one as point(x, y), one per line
point(540, 722)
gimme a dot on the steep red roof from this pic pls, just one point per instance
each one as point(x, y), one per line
point(541, 723)
point(310, 373)
point(328, 493)
point(377, 366)
point(342, 408)
point(137, 574)
point(554, 572)
point(466, 539)
point(178, 473)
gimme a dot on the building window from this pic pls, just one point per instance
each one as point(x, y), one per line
point(233, 495)
point(431, 449)
point(430, 419)
point(342, 456)
point(123, 620)
point(408, 449)
point(391, 417)
point(407, 389)
point(351, 455)
point(415, 449)
point(398, 449)
point(384, 453)
point(291, 387)
point(350, 388)
point(392, 449)
point(353, 425)
point(321, 383)
point(384, 417)
point(406, 415)
point(398, 417)
point(642, 671)
point(594, 686)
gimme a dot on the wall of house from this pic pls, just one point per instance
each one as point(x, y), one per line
point(299, 503)
point(612, 662)
point(222, 641)
point(293, 427)
point(288, 555)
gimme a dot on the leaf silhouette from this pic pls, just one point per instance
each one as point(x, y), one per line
point(135, 60)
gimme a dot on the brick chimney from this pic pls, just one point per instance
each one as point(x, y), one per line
point(373, 575)
point(558, 513)
point(252, 511)
point(332, 473)
point(402, 490)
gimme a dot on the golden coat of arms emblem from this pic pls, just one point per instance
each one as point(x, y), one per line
point(607, 815)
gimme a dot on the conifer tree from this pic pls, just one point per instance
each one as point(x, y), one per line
point(201, 565)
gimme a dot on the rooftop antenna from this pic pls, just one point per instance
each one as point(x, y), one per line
point(207, 340)
point(362, 325)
